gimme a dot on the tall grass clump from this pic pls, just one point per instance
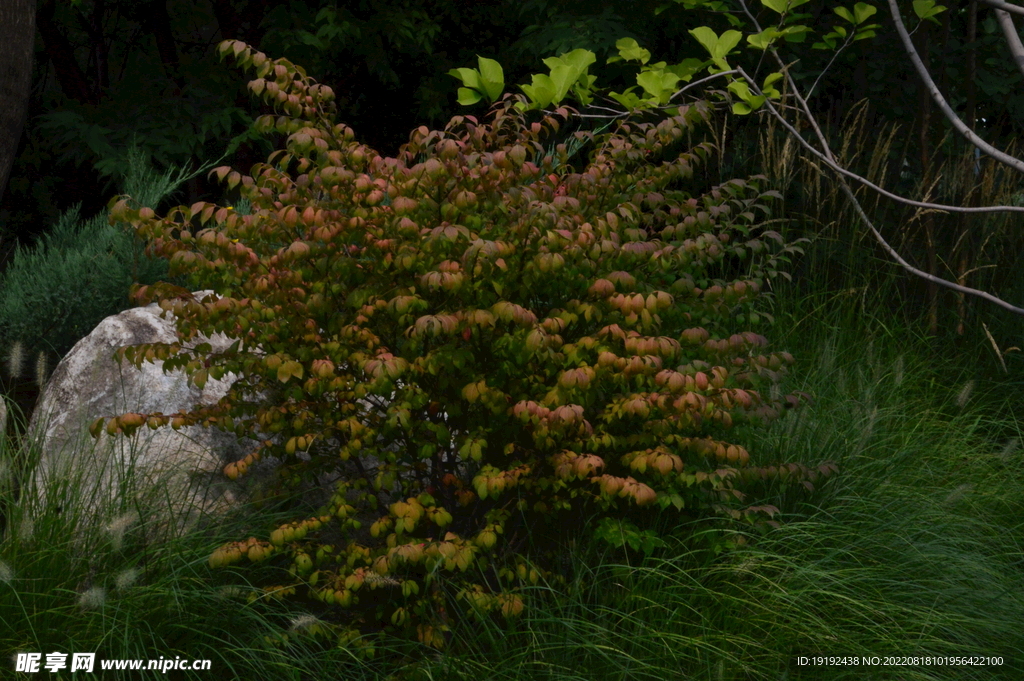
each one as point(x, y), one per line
point(86, 569)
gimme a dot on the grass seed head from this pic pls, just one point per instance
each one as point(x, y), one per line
point(126, 578)
point(93, 598)
point(118, 526)
point(42, 370)
point(16, 360)
point(965, 394)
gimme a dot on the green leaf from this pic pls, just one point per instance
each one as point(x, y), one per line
point(628, 99)
point(541, 92)
point(468, 96)
point(862, 11)
point(796, 34)
point(768, 88)
point(844, 13)
point(567, 69)
point(783, 6)
point(308, 38)
point(583, 87)
point(492, 77)
point(469, 78)
point(927, 9)
point(740, 89)
point(686, 68)
point(630, 50)
point(751, 102)
point(764, 39)
point(488, 82)
point(659, 84)
point(733, 20)
point(289, 369)
point(717, 46)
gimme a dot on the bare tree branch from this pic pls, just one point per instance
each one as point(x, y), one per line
point(1012, 39)
point(831, 162)
point(867, 221)
point(951, 116)
point(1004, 6)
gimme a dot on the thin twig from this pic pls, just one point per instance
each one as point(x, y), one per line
point(702, 80)
point(995, 347)
point(847, 43)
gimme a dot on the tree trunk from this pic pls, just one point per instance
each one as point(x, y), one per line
point(17, 41)
point(158, 22)
point(972, 64)
point(72, 81)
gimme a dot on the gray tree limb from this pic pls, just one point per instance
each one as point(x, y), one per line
point(1004, 6)
point(940, 101)
point(1012, 38)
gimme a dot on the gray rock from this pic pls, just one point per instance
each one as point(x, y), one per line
point(180, 468)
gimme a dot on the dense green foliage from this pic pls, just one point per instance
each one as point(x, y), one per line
point(504, 347)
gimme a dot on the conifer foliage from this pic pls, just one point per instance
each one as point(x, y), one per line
point(495, 347)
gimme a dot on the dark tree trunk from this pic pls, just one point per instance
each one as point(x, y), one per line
point(972, 64)
point(72, 81)
point(17, 40)
point(158, 22)
point(240, 24)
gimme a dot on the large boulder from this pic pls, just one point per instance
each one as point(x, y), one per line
point(180, 470)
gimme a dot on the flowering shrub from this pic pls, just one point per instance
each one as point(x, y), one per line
point(493, 346)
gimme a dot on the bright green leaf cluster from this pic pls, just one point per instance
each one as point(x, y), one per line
point(927, 10)
point(487, 82)
point(860, 13)
point(568, 73)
